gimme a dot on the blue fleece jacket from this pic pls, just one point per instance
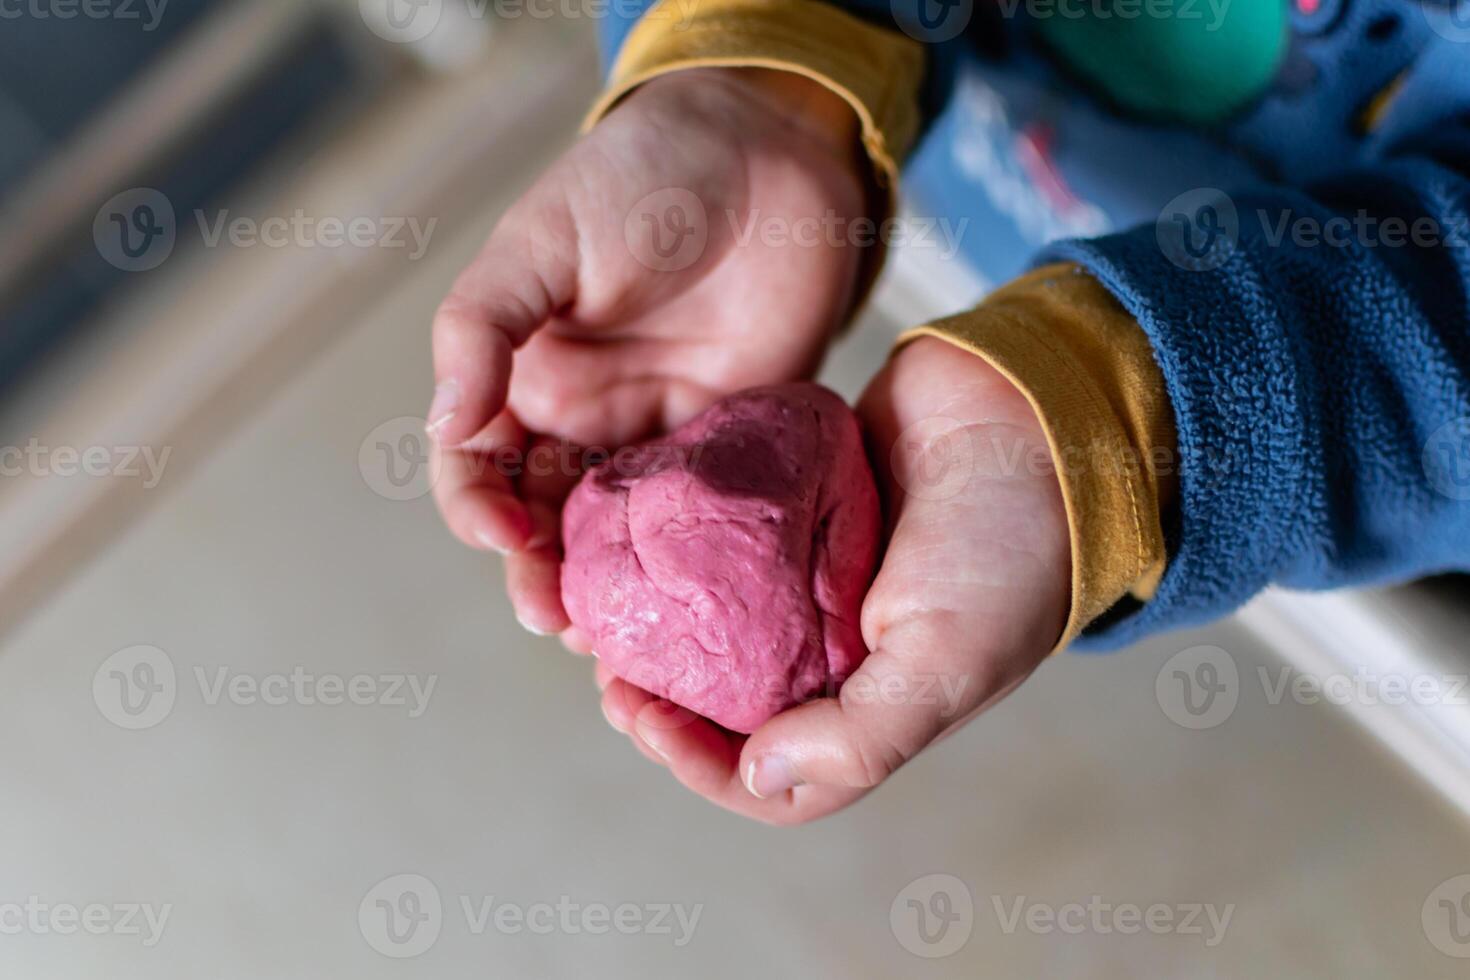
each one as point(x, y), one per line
point(1301, 267)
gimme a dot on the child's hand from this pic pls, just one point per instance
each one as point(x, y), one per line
point(617, 335)
point(973, 593)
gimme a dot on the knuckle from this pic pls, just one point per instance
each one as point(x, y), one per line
point(868, 760)
point(545, 404)
point(452, 322)
point(455, 311)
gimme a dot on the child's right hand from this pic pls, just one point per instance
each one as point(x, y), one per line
point(618, 335)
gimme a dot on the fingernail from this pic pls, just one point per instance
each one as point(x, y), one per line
point(769, 775)
point(614, 725)
point(531, 629)
point(443, 407)
point(486, 539)
point(656, 750)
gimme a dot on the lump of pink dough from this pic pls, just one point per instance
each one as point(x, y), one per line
point(723, 567)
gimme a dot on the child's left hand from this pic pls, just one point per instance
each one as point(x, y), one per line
point(972, 594)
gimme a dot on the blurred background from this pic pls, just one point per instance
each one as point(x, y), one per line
point(266, 718)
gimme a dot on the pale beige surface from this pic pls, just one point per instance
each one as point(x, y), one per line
point(265, 826)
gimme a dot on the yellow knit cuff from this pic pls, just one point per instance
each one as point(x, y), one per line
point(876, 71)
point(1088, 369)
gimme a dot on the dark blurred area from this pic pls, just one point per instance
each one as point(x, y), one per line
point(236, 79)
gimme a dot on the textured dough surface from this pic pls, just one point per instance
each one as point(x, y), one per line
point(723, 567)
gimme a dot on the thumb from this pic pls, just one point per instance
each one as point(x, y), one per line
point(971, 596)
point(947, 640)
point(526, 272)
point(942, 649)
point(905, 695)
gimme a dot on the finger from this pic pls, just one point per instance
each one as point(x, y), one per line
point(705, 758)
point(474, 494)
point(533, 575)
point(576, 640)
point(621, 703)
point(524, 274)
point(603, 675)
point(906, 693)
point(552, 469)
point(620, 707)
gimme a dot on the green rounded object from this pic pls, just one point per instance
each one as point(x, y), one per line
point(1194, 61)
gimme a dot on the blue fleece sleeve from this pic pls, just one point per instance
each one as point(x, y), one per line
point(1316, 347)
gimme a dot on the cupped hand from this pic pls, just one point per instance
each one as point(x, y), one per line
point(973, 592)
point(692, 244)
